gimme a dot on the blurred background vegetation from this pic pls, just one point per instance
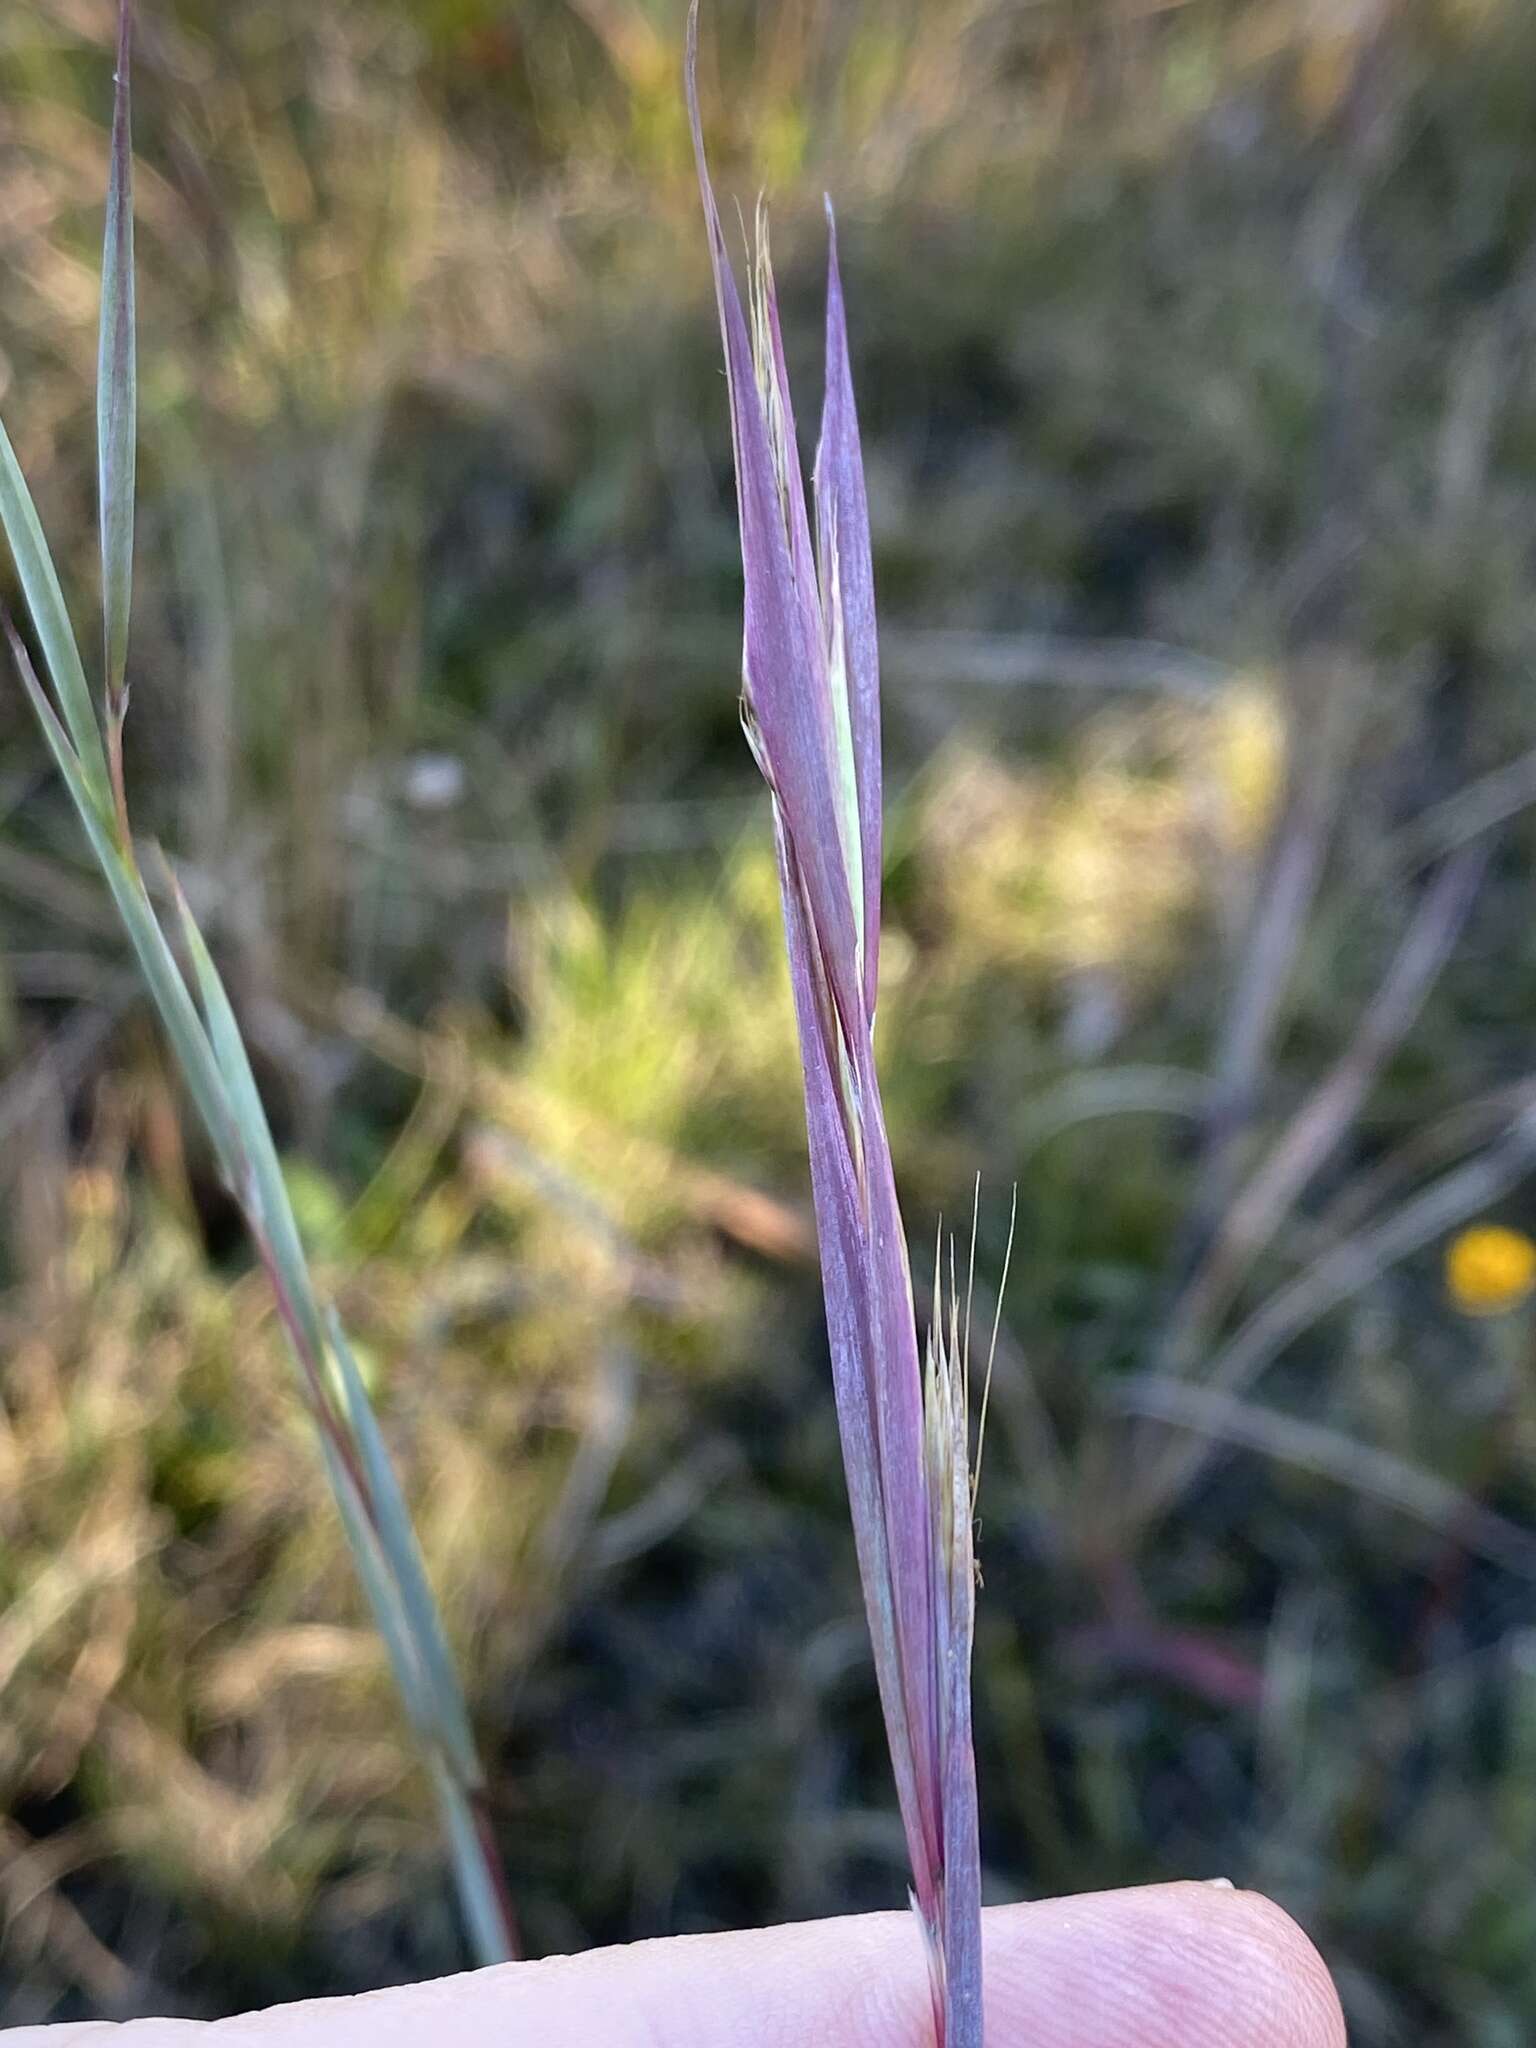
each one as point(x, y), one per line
point(1194, 346)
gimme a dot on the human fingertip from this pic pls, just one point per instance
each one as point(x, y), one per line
point(1169, 1966)
point(1306, 2001)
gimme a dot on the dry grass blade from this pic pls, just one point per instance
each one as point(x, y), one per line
point(1349, 1462)
point(1259, 1209)
point(1268, 960)
point(1341, 1272)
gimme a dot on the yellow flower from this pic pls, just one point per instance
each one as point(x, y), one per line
point(1489, 1269)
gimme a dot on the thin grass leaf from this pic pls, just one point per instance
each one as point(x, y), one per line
point(268, 1191)
point(486, 1910)
point(383, 1600)
point(50, 619)
point(375, 1517)
point(476, 1875)
point(213, 1059)
point(158, 964)
point(397, 1540)
point(117, 390)
point(1344, 1269)
point(398, 1589)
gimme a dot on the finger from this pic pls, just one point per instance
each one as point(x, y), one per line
point(1176, 1966)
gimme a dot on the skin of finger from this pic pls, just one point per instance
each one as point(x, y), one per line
point(1175, 1966)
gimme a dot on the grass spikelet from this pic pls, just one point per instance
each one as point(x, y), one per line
point(811, 709)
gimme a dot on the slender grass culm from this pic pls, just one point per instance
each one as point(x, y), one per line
point(810, 706)
point(205, 1040)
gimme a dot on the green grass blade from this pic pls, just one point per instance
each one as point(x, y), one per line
point(388, 1616)
point(50, 617)
point(397, 1539)
point(378, 1526)
point(406, 1617)
point(205, 1039)
point(189, 1041)
point(268, 1190)
point(484, 1911)
point(117, 388)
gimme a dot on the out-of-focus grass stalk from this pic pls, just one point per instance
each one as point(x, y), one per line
point(117, 408)
point(811, 709)
point(206, 1042)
